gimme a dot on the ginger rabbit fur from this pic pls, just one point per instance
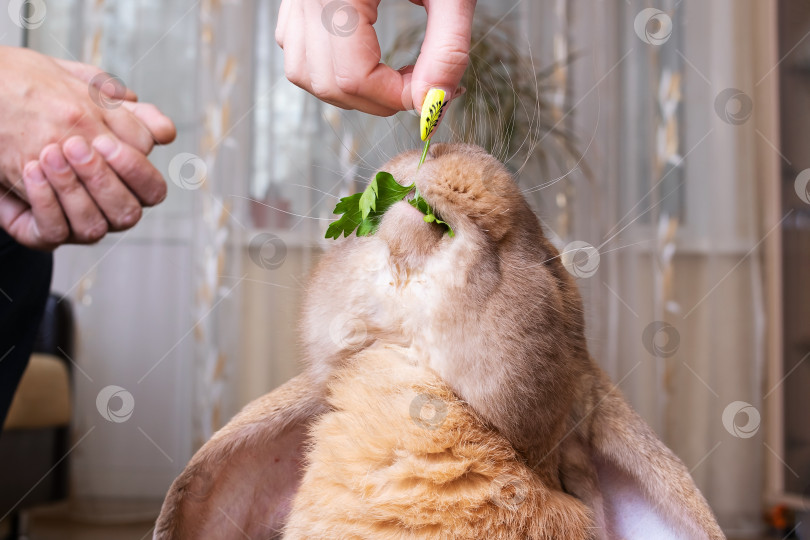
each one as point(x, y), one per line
point(400, 457)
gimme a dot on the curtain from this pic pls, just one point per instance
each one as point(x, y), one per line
point(194, 311)
point(675, 103)
point(158, 308)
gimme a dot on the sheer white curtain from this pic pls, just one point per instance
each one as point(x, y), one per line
point(158, 307)
point(676, 106)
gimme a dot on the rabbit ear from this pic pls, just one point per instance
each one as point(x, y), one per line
point(241, 483)
point(636, 487)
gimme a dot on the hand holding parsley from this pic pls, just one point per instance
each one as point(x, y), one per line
point(331, 49)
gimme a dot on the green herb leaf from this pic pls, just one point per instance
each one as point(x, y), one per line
point(368, 200)
point(450, 232)
point(430, 216)
point(386, 192)
point(364, 211)
point(367, 227)
point(350, 208)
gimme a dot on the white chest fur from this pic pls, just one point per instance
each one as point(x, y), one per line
point(411, 299)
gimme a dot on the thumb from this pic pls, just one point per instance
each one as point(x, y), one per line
point(445, 50)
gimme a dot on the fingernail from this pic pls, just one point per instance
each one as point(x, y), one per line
point(77, 150)
point(33, 173)
point(160, 194)
point(97, 231)
point(131, 217)
point(106, 146)
point(432, 111)
point(55, 161)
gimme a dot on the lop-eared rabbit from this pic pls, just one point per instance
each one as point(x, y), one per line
point(448, 393)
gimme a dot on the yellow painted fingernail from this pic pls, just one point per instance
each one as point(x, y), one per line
point(432, 110)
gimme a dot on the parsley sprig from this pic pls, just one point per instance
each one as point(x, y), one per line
point(364, 211)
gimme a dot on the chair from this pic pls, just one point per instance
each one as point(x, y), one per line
point(36, 435)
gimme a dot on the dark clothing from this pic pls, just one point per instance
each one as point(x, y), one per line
point(25, 279)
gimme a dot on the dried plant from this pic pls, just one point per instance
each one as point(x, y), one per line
point(509, 106)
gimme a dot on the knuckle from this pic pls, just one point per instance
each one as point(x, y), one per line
point(124, 161)
point(324, 92)
point(348, 84)
point(96, 176)
point(294, 74)
point(55, 234)
point(127, 169)
point(92, 233)
point(65, 185)
point(452, 56)
point(127, 218)
point(140, 173)
point(72, 113)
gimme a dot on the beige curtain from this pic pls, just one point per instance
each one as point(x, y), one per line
point(219, 168)
point(675, 104)
point(158, 307)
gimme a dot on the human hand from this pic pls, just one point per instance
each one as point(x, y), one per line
point(331, 50)
point(88, 137)
point(38, 223)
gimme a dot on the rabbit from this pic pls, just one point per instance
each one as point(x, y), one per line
point(492, 313)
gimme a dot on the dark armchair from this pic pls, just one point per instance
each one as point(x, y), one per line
point(36, 436)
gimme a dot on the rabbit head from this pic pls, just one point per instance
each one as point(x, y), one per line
point(492, 309)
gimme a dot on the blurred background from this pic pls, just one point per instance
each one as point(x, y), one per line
point(662, 143)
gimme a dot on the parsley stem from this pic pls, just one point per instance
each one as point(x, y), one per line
point(424, 153)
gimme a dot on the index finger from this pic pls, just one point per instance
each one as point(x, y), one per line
point(87, 72)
